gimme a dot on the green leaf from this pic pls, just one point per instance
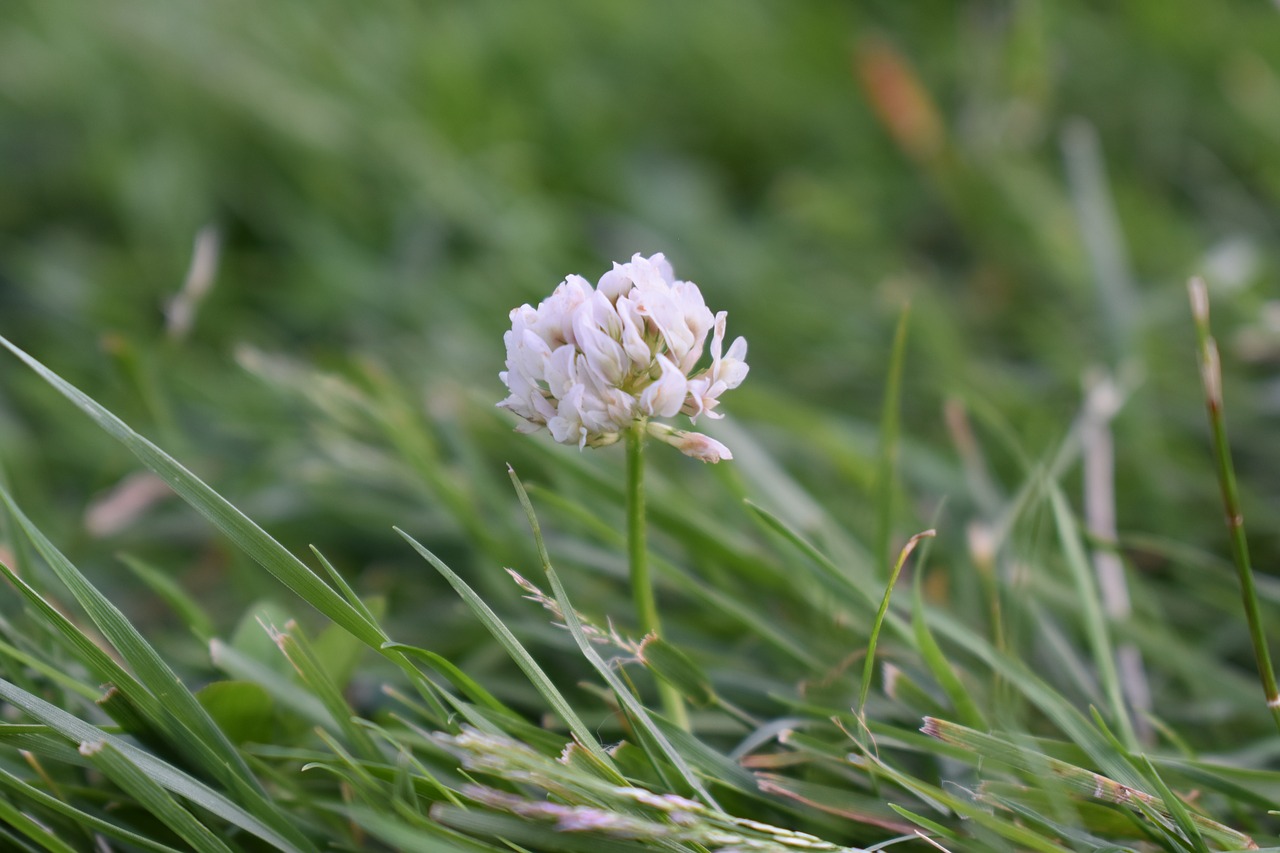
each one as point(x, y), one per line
point(283, 689)
point(242, 709)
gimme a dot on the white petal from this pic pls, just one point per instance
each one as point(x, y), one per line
point(633, 341)
point(666, 395)
point(615, 283)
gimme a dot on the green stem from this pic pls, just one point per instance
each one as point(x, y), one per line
point(638, 557)
point(1211, 376)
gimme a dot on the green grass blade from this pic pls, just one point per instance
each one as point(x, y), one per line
point(294, 646)
point(345, 588)
point(624, 696)
point(53, 673)
point(98, 662)
point(163, 773)
point(519, 654)
point(11, 816)
point(283, 690)
point(1174, 807)
point(1211, 378)
point(247, 535)
point(471, 688)
point(829, 569)
point(868, 668)
point(421, 836)
point(943, 673)
point(180, 715)
point(58, 806)
point(1077, 780)
point(151, 796)
point(1095, 620)
point(159, 582)
point(887, 469)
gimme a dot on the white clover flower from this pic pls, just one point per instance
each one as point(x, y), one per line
point(589, 363)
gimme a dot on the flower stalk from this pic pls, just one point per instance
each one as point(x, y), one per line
point(638, 562)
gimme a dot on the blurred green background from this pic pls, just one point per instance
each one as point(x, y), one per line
point(387, 180)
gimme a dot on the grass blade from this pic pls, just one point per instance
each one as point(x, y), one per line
point(161, 772)
point(151, 796)
point(162, 697)
point(57, 805)
point(1095, 620)
point(887, 470)
point(624, 696)
point(519, 654)
point(247, 535)
point(868, 668)
point(1211, 377)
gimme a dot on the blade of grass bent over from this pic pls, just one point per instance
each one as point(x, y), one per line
point(868, 667)
point(1211, 377)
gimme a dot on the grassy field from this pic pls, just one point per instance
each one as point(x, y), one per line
point(957, 237)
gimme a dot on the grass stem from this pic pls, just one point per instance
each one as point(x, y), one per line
point(1211, 376)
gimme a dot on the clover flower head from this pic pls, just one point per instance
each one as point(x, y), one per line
point(591, 362)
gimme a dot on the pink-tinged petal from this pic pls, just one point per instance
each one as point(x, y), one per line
point(704, 448)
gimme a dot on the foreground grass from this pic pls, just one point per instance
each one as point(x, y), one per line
point(992, 716)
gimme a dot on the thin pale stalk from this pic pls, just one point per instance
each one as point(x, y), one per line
point(1211, 376)
point(638, 560)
